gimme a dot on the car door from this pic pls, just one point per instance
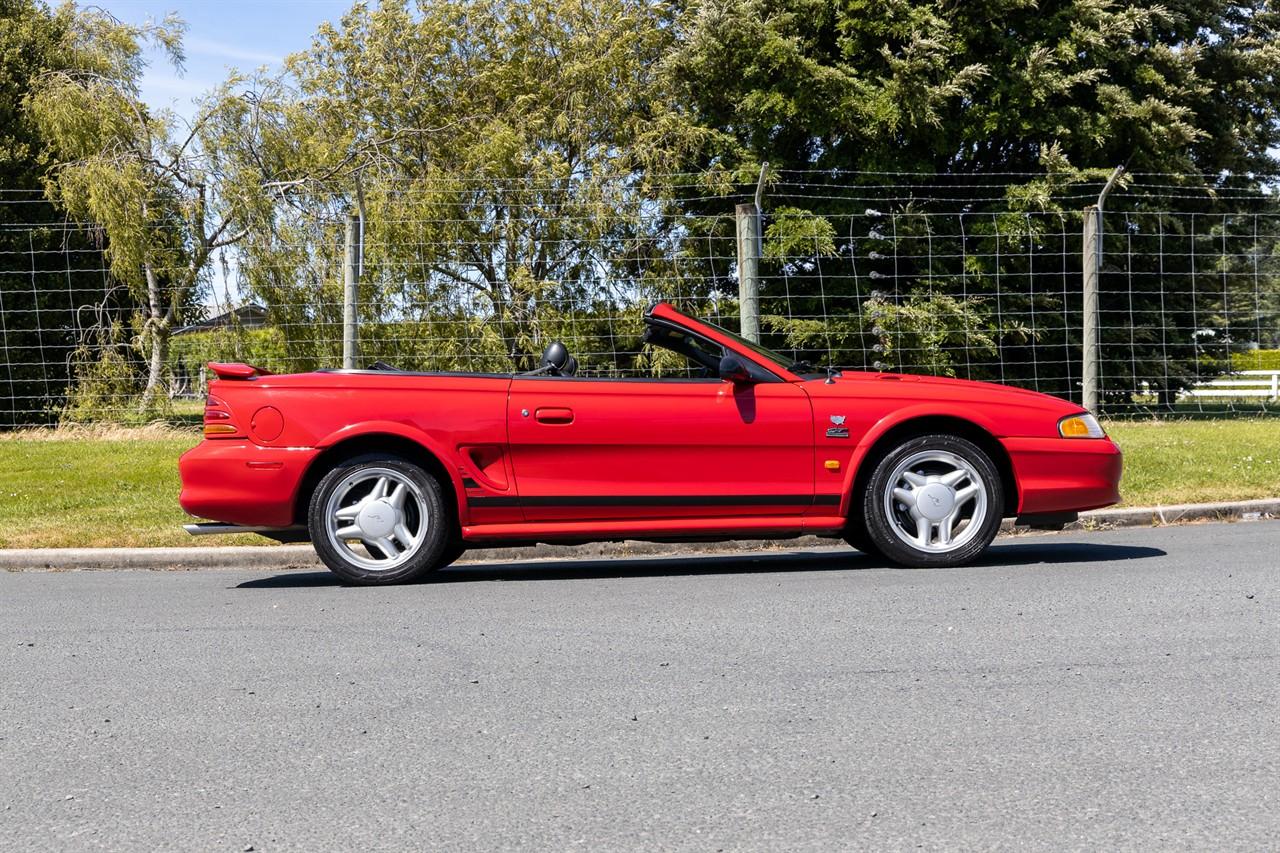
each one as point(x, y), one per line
point(590, 449)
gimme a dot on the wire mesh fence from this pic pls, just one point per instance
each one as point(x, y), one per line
point(945, 277)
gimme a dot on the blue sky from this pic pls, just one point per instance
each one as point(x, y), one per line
point(223, 34)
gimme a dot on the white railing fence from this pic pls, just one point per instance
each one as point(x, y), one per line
point(1251, 384)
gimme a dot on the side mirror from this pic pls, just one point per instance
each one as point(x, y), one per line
point(733, 370)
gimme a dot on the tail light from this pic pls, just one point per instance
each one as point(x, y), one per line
point(217, 419)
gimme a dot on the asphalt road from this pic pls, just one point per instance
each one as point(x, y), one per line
point(1112, 690)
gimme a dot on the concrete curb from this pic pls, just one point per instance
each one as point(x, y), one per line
point(277, 557)
point(1160, 515)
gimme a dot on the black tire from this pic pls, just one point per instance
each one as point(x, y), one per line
point(976, 534)
point(451, 554)
point(855, 533)
point(433, 540)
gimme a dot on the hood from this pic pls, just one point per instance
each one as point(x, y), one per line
point(1001, 408)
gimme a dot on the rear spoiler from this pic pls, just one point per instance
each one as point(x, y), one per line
point(235, 370)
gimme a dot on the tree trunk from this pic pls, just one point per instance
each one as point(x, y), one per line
point(158, 339)
point(156, 335)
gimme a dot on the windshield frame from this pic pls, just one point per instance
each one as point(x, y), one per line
point(787, 364)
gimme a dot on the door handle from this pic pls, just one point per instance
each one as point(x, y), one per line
point(554, 416)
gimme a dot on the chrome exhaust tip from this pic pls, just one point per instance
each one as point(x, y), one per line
point(213, 528)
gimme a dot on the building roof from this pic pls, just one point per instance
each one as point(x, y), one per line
point(250, 316)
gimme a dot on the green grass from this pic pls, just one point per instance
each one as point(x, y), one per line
point(119, 487)
point(84, 488)
point(1193, 461)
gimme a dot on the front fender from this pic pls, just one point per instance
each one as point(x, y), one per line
point(898, 417)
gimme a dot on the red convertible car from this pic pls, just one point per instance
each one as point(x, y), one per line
point(393, 474)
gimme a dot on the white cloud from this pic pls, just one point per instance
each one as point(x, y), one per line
point(221, 50)
point(173, 86)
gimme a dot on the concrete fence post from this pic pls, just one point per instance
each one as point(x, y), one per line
point(748, 219)
point(1092, 251)
point(1091, 259)
point(350, 280)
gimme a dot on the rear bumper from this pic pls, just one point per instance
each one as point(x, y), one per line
point(240, 482)
point(1064, 474)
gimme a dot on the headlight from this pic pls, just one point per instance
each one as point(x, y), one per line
point(1080, 426)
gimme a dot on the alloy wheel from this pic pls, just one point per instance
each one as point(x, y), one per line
point(935, 501)
point(377, 518)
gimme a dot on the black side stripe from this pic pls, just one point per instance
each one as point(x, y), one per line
point(479, 502)
point(660, 500)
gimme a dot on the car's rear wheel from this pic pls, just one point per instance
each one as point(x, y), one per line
point(451, 554)
point(379, 520)
point(933, 501)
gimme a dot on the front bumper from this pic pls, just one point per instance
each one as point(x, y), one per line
point(1057, 475)
point(239, 482)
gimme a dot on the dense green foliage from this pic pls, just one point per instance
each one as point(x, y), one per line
point(938, 88)
point(1258, 359)
point(45, 270)
point(987, 86)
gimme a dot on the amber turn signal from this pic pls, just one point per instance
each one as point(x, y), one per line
point(219, 429)
point(1080, 426)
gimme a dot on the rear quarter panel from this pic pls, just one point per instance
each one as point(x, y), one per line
point(444, 414)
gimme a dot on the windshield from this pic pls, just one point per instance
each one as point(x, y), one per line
point(797, 367)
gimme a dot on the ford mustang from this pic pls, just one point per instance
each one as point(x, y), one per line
point(393, 474)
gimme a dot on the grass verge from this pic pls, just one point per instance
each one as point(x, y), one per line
point(91, 487)
point(118, 487)
point(1196, 461)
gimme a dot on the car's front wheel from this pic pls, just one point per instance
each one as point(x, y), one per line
point(855, 533)
point(933, 501)
point(379, 520)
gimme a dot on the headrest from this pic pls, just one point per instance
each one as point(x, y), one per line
point(555, 356)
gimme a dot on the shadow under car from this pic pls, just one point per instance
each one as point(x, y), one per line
point(1009, 554)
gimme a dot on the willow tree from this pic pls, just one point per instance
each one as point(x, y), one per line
point(160, 189)
point(501, 152)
